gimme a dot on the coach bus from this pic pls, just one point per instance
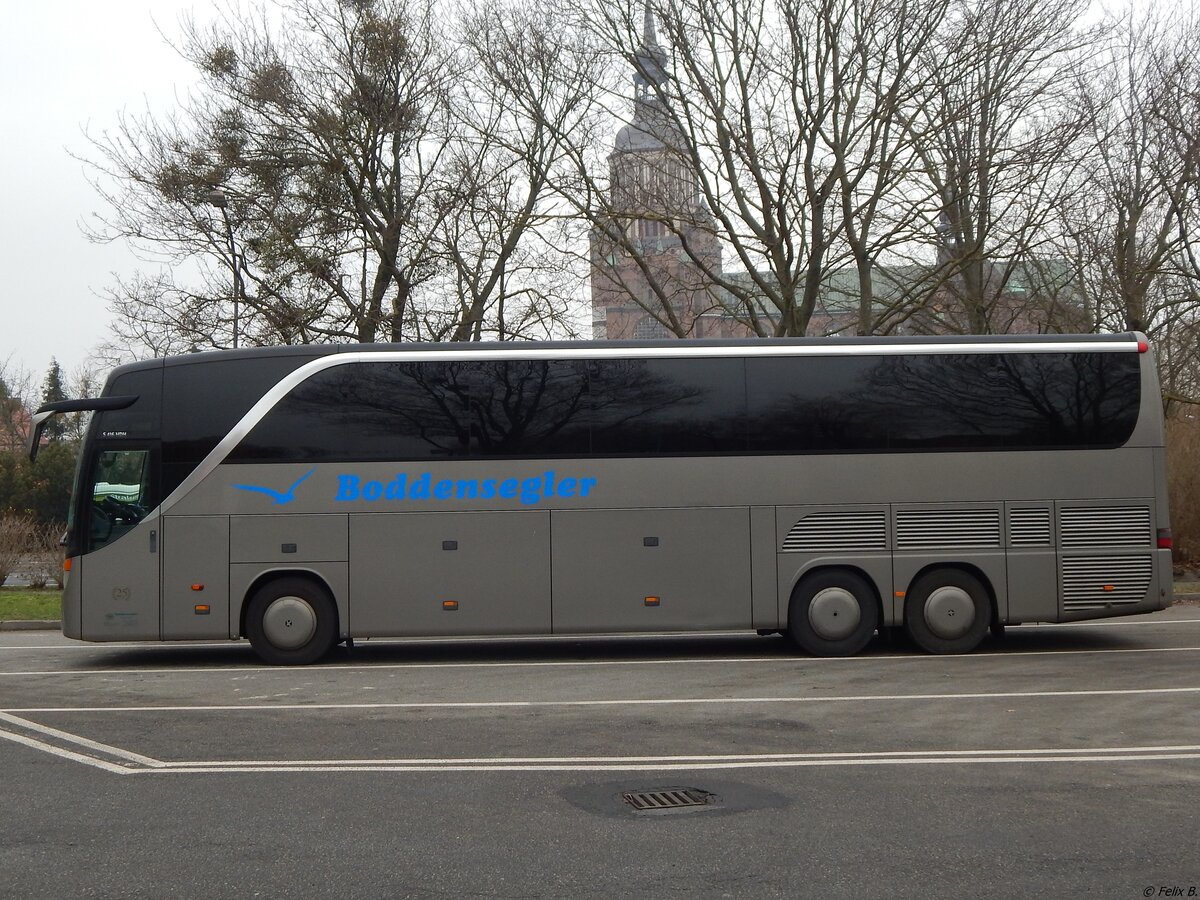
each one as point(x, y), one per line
point(825, 488)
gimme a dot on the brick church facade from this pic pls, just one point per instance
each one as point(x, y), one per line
point(655, 257)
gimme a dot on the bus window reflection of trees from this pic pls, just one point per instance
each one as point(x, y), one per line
point(629, 407)
point(943, 402)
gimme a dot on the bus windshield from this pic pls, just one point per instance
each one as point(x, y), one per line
point(120, 491)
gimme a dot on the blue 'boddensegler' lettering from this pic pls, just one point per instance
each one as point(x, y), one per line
point(527, 491)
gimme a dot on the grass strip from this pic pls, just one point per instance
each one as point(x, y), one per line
point(23, 603)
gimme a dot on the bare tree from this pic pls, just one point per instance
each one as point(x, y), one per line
point(996, 133)
point(1134, 221)
point(1177, 340)
point(867, 62)
point(310, 130)
point(16, 396)
point(508, 244)
point(716, 99)
point(553, 85)
point(392, 171)
point(315, 177)
point(16, 537)
point(765, 150)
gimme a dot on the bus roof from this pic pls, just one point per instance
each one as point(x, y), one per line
point(303, 352)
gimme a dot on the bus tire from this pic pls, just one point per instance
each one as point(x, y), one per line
point(833, 613)
point(291, 621)
point(947, 611)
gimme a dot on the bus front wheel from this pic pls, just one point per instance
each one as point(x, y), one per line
point(833, 613)
point(291, 621)
point(947, 611)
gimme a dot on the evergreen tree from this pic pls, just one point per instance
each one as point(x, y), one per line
point(44, 487)
point(53, 392)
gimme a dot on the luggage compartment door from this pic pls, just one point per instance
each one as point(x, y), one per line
point(450, 573)
point(695, 563)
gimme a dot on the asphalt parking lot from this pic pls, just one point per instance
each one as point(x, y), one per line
point(1059, 758)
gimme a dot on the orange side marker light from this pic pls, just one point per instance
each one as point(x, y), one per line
point(653, 601)
point(449, 605)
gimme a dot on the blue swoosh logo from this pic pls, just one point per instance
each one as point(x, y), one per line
point(280, 498)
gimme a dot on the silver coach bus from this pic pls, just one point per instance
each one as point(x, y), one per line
point(829, 489)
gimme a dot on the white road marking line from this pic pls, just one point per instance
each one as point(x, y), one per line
point(666, 701)
point(665, 764)
point(139, 764)
point(704, 758)
point(583, 663)
point(78, 740)
point(685, 767)
point(146, 765)
point(7, 735)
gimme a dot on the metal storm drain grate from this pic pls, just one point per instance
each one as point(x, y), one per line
point(668, 799)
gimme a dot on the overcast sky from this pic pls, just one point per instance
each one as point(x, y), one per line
point(70, 66)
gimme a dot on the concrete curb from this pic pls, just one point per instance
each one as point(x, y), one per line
point(31, 625)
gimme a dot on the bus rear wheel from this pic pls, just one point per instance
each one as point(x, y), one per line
point(947, 611)
point(291, 621)
point(833, 613)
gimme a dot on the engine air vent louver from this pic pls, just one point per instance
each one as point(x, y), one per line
point(1094, 582)
point(1104, 526)
point(947, 529)
point(838, 531)
point(1029, 527)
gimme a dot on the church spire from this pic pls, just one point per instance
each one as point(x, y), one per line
point(649, 64)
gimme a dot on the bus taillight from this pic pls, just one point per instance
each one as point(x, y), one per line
point(1164, 539)
point(1143, 346)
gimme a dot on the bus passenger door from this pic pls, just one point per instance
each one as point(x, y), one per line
point(119, 569)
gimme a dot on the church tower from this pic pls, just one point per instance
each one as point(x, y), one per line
point(652, 283)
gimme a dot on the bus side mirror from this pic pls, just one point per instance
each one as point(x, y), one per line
point(46, 410)
point(35, 433)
